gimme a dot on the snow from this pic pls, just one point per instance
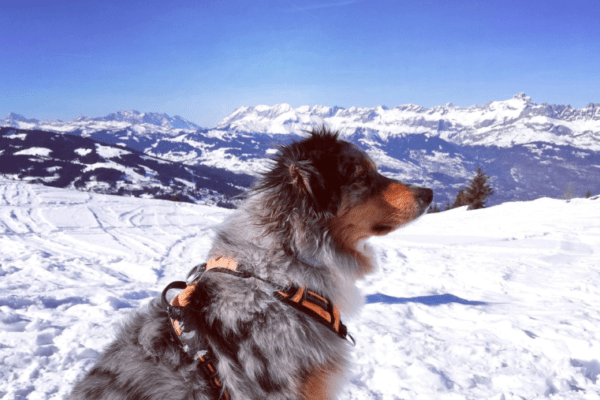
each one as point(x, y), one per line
point(110, 152)
point(20, 136)
point(176, 156)
point(218, 134)
point(189, 184)
point(83, 152)
point(34, 151)
point(219, 158)
point(500, 303)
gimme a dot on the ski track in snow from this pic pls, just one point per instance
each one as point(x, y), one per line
point(501, 303)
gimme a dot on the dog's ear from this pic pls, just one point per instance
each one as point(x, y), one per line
point(308, 181)
point(302, 176)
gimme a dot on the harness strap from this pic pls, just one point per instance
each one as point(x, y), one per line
point(307, 301)
point(206, 364)
point(300, 298)
point(317, 307)
point(206, 358)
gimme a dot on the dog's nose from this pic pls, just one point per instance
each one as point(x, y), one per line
point(425, 195)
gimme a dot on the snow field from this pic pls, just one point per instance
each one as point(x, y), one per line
point(500, 303)
point(535, 265)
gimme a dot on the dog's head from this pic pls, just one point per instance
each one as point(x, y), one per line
point(323, 178)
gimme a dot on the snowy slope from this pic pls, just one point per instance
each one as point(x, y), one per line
point(70, 161)
point(500, 303)
point(500, 123)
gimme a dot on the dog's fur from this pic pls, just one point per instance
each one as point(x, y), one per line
point(305, 222)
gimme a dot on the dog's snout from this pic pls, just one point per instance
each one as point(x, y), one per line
point(425, 195)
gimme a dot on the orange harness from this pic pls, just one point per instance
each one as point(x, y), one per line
point(302, 299)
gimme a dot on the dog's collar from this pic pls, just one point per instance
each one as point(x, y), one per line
point(301, 298)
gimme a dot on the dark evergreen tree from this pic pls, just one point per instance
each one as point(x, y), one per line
point(461, 199)
point(588, 194)
point(433, 209)
point(478, 191)
point(447, 206)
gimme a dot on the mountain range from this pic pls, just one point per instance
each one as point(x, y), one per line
point(118, 120)
point(69, 161)
point(500, 123)
point(529, 150)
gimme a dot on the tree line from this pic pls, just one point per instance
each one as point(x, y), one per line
point(474, 195)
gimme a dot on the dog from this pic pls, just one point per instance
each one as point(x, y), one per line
point(305, 226)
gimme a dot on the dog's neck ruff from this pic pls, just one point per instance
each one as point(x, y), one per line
point(311, 262)
point(301, 298)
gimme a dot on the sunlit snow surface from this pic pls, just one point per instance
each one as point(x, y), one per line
point(501, 303)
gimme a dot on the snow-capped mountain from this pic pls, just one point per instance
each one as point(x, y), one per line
point(529, 150)
point(14, 119)
point(159, 119)
point(69, 161)
point(499, 123)
point(137, 121)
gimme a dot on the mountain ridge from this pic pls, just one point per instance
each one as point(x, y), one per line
point(518, 120)
point(117, 120)
point(527, 149)
point(504, 123)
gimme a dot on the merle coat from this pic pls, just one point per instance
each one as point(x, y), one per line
point(306, 222)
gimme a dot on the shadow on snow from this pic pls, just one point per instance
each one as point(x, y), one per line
point(434, 300)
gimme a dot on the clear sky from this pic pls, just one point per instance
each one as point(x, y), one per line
point(202, 59)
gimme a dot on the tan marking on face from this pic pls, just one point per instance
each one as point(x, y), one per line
point(399, 196)
point(354, 223)
point(402, 199)
point(393, 208)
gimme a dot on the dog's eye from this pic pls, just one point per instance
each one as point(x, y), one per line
point(359, 172)
point(359, 178)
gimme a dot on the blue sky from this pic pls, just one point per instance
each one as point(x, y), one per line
point(203, 59)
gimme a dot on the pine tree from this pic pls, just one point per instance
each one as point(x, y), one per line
point(448, 207)
point(588, 194)
point(461, 199)
point(433, 209)
point(478, 191)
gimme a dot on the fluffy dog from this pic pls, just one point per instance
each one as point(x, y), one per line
point(304, 225)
